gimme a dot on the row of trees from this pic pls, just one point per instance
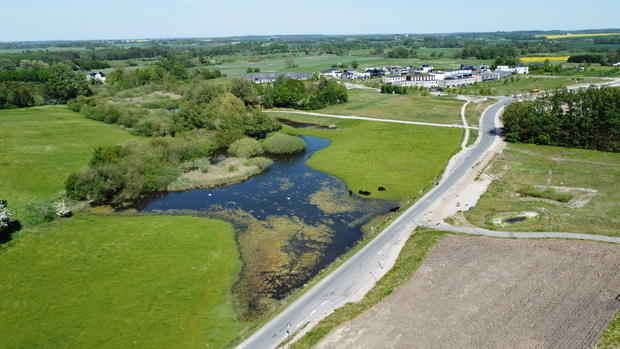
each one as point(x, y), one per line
point(291, 93)
point(60, 84)
point(611, 57)
point(586, 118)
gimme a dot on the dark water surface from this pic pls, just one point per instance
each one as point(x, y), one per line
point(288, 188)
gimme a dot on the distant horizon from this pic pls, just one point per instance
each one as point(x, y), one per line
point(606, 30)
point(75, 20)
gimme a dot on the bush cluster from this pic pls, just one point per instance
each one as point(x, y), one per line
point(119, 173)
point(245, 148)
point(280, 143)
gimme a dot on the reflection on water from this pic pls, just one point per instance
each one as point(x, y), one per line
point(312, 216)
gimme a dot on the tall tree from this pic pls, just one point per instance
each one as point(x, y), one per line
point(63, 84)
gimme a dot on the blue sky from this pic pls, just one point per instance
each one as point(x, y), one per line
point(33, 20)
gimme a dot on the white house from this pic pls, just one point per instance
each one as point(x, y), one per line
point(459, 81)
point(423, 69)
point(520, 69)
point(98, 76)
point(331, 73)
point(423, 80)
point(392, 79)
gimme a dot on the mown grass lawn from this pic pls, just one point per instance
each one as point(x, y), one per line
point(41, 146)
point(408, 107)
point(366, 155)
point(116, 282)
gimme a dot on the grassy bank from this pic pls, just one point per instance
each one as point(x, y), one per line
point(372, 104)
point(411, 257)
point(402, 158)
point(112, 282)
point(41, 146)
point(611, 336)
point(561, 171)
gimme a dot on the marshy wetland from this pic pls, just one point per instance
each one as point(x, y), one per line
point(291, 220)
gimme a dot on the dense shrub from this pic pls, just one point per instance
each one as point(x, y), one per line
point(261, 162)
point(126, 172)
point(547, 193)
point(280, 143)
point(245, 148)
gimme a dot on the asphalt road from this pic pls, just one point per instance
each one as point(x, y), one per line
point(350, 281)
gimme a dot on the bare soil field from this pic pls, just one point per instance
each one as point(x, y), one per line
point(476, 292)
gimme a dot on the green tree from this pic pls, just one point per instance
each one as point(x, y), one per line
point(7, 64)
point(289, 62)
point(244, 89)
point(354, 64)
point(63, 84)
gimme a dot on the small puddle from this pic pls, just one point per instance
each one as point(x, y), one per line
point(515, 219)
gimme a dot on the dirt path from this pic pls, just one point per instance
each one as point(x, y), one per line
point(496, 293)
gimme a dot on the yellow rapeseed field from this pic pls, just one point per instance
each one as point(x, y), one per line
point(541, 59)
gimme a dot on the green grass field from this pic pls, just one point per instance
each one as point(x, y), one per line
point(116, 282)
point(527, 83)
point(408, 107)
point(402, 158)
point(234, 65)
point(41, 146)
point(529, 165)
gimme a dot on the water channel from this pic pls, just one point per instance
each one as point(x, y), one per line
point(292, 190)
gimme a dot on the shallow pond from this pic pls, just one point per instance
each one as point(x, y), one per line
point(307, 218)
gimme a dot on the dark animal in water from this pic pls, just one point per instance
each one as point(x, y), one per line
point(350, 193)
point(395, 209)
point(363, 192)
point(381, 189)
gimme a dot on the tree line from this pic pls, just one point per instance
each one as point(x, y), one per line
point(584, 118)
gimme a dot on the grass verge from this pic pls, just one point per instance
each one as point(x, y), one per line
point(112, 282)
point(416, 250)
point(611, 336)
point(575, 170)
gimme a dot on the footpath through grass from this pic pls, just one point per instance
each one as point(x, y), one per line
point(441, 110)
point(41, 146)
point(116, 282)
point(402, 158)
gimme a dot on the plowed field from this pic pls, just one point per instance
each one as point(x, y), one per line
point(495, 293)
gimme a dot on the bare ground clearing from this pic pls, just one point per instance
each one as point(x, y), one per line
point(493, 293)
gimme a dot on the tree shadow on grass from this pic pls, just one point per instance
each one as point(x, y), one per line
point(5, 234)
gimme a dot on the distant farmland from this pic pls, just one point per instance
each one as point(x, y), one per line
point(564, 36)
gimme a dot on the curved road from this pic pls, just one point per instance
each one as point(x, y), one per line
point(358, 274)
